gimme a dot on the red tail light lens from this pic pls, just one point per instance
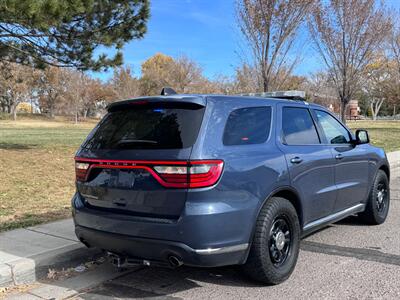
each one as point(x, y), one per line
point(81, 170)
point(170, 174)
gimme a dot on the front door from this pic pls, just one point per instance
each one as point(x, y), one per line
point(352, 165)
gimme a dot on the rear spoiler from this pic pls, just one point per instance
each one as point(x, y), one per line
point(160, 101)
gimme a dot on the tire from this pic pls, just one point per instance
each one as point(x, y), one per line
point(377, 206)
point(263, 263)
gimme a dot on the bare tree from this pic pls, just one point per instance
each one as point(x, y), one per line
point(395, 57)
point(185, 75)
point(17, 83)
point(270, 28)
point(347, 33)
point(52, 88)
point(124, 84)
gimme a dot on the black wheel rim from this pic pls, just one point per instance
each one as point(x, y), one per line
point(280, 239)
point(381, 197)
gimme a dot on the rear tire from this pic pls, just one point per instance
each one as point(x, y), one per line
point(275, 247)
point(377, 206)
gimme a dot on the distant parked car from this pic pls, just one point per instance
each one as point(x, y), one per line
point(205, 180)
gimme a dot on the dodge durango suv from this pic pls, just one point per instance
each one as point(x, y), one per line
point(209, 180)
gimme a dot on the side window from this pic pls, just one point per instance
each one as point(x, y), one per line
point(334, 132)
point(247, 126)
point(298, 127)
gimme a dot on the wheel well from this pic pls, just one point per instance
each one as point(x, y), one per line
point(294, 199)
point(385, 169)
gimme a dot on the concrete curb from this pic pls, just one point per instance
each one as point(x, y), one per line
point(29, 270)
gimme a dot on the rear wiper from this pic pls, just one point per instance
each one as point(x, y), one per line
point(137, 142)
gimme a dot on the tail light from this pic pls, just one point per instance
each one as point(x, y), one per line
point(81, 170)
point(170, 174)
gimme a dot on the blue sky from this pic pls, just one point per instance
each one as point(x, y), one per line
point(204, 30)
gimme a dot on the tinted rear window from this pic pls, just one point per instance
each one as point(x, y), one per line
point(147, 128)
point(248, 126)
point(298, 127)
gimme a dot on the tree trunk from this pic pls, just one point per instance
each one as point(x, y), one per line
point(14, 112)
point(343, 106)
point(394, 112)
point(375, 108)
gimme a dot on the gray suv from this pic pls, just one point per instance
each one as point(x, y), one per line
point(206, 180)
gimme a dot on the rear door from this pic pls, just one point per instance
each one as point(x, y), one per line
point(310, 163)
point(122, 154)
point(351, 162)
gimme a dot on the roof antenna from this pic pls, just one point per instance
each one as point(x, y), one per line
point(166, 91)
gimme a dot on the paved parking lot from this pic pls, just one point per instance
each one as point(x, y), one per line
point(347, 260)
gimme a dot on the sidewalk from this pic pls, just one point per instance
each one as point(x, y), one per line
point(394, 159)
point(27, 254)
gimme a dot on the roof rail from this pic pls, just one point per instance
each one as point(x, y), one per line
point(290, 95)
point(166, 91)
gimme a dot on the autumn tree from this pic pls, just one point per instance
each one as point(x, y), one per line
point(17, 84)
point(52, 88)
point(160, 70)
point(320, 89)
point(347, 34)
point(246, 79)
point(186, 75)
point(270, 28)
point(377, 83)
point(394, 55)
point(155, 74)
point(124, 84)
point(69, 33)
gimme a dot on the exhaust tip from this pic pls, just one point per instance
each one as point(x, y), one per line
point(175, 261)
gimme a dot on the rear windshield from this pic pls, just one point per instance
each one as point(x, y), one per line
point(147, 128)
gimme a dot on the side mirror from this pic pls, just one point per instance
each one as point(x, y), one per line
point(362, 137)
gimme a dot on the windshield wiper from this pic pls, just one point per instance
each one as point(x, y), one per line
point(137, 142)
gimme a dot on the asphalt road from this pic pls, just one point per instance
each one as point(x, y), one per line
point(346, 260)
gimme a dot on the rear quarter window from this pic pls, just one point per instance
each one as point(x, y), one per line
point(246, 126)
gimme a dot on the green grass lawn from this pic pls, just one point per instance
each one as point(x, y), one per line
point(37, 170)
point(385, 134)
point(37, 167)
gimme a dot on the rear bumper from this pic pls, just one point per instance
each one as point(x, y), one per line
point(198, 239)
point(159, 251)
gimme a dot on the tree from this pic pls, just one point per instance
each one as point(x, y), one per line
point(185, 75)
point(160, 70)
point(69, 33)
point(17, 83)
point(124, 84)
point(377, 83)
point(247, 79)
point(319, 89)
point(347, 33)
point(155, 73)
point(52, 89)
point(394, 55)
point(270, 28)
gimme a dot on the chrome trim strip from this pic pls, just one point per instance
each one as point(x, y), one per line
point(228, 249)
point(90, 196)
point(348, 211)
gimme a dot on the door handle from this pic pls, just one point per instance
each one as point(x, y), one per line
point(339, 156)
point(296, 160)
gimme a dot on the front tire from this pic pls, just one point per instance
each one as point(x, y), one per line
point(377, 206)
point(275, 247)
